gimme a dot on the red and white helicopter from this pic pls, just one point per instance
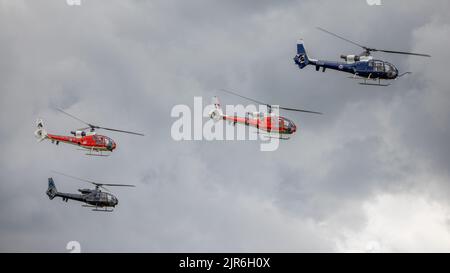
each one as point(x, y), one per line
point(271, 124)
point(87, 140)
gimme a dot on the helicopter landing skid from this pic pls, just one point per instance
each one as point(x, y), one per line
point(103, 210)
point(279, 136)
point(374, 84)
point(356, 77)
point(100, 154)
point(97, 209)
point(93, 153)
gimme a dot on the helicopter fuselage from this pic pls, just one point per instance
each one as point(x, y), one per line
point(90, 141)
point(368, 69)
point(267, 123)
point(94, 197)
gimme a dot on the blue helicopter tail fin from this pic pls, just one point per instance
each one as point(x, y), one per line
point(51, 191)
point(301, 59)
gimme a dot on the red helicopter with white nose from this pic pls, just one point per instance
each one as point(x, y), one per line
point(87, 140)
point(272, 125)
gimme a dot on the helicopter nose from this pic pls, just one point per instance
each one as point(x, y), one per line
point(293, 129)
point(111, 146)
point(394, 73)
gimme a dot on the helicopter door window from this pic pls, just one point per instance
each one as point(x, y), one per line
point(379, 66)
point(98, 140)
point(281, 122)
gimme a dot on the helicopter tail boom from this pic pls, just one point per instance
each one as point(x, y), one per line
point(51, 191)
point(301, 59)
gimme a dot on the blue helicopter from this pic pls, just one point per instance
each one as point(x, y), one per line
point(363, 66)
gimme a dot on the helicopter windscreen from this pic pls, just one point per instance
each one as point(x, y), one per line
point(388, 67)
point(110, 145)
point(288, 125)
point(112, 199)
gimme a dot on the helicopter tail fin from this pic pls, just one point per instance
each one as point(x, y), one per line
point(301, 59)
point(40, 133)
point(216, 114)
point(51, 191)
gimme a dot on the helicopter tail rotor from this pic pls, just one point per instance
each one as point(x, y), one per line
point(301, 59)
point(216, 114)
point(51, 191)
point(40, 133)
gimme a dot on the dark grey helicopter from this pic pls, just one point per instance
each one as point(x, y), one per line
point(94, 198)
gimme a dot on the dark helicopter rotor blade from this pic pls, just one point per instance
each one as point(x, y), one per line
point(247, 98)
point(401, 52)
point(271, 106)
point(300, 110)
point(102, 185)
point(368, 49)
point(74, 117)
point(116, 185)
point(106, 189)
point(99, 184)
point(91, 126)
point(342, 38)
point(77, 178)
point(120, 131)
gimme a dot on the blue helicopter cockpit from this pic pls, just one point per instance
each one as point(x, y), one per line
point(384, 67)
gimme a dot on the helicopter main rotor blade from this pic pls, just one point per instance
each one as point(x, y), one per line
point(247, 98)
point(368, 49)
point(117, 185)
point(74, 117)
point(92, 126)
point(342, 38)
point(272, 106)
point(401, 52)
point(101, 185)
point(77, 178)
point(121, 131)
point(301, 110)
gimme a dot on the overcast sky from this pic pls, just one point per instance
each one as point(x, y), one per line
point(371, 174)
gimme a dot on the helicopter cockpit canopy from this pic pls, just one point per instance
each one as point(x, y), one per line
point(104, 140)
point(112, 199)
point(391, 70)
point(381, 66)
point(287, 124)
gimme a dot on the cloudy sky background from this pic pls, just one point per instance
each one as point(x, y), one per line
point(372, 174)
